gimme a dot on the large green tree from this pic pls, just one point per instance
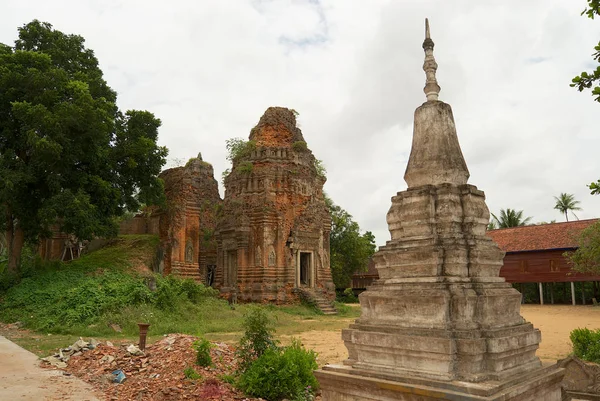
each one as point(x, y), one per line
point(509, 218)
point(589, 80)
point(350, 250)
point(586, 258)
point(566, 203)
point(68, 156)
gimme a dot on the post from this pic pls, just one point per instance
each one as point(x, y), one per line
point(573, 292)
point(541, 293)
point(583, 292)
point(552, 293)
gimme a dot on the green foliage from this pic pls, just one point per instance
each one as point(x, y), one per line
point(349, 249)
point(67, 153)
point(238, 148)
point(565, 203)
point(594, 188)
point(281, 373)
point(224, 175)
point(320, 167)
point(510, 218)
point(346, 296)
point(190, 373)
point(300, 146)
point(54, 298)
point(586, 259)
point(245, 167)
point(171, 290)
point(586, 344)
point(202, 348)
point(257, 338)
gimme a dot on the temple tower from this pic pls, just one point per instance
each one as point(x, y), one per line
point(273, 237)
point(187, 223)
point(439, 324)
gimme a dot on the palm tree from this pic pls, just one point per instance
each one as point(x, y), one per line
point(566, 202)
point(510, 218)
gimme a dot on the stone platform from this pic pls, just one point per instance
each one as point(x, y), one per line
point(344, 383)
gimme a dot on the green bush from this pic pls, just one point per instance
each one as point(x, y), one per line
point(237, 148)
point(586, 344)
point(245, 167)
point(347, 296)
point(202, 348)
point(281, 373)
point(191, 374)
point(299, 146)
point(257, 338)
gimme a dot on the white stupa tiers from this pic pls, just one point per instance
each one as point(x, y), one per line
point(439, 324)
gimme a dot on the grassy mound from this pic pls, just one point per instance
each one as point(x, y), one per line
point(100, 291)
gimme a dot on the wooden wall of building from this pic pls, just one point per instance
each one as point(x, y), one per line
point(540, 267)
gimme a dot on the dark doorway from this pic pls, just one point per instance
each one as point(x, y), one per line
point(210, 274)
point(305, 268)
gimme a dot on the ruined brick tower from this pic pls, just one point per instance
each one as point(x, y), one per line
point(188, 222)
point(273, 236)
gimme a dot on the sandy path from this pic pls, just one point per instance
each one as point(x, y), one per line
point(21, 378)
point(555, 322)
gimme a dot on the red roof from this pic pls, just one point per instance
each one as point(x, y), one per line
point(540, 237)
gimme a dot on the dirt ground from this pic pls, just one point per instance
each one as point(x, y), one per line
point(554, 321)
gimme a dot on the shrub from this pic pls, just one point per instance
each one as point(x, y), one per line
point(299, 146)
point(237, 148)
point(245, 167)
point(202, 347)
point(281, 373)
point(191, 374)
point(257, 338)
point(586, 344)
point(346, 296)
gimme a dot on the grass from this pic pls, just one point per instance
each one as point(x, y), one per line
point(90, 296)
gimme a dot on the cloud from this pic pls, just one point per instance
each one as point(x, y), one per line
point(353, 70)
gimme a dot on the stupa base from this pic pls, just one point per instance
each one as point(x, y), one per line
point(344, 383)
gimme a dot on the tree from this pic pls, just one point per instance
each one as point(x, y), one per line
point(565, 203)
point(68, 156)
point(588, 79)
point(586, 259)
point(350, 250)
point(510, 218)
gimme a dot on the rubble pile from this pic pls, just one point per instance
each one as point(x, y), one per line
point(157, 373)
point(63, 355)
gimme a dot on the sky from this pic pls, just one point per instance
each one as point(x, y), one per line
point(353, 71)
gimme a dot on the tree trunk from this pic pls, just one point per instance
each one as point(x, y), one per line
point(15, 239)
point(566, 217)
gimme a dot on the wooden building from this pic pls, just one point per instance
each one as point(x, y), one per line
point(535, 254)
point(361, 280)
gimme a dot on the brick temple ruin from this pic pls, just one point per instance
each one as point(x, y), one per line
point(187, 223)
point(273, 236)
point(439, 323)
point(266, 241)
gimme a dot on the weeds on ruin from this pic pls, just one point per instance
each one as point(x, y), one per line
point(238, 148)
point(300, 146)
point(202, 348)
point(245, 167)
point(320, 167)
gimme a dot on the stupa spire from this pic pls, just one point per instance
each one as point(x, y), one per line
point(432, 89)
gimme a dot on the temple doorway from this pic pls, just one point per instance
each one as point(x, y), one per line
point(306, 278)
point(231, 278)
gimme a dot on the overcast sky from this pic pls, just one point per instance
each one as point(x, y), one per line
point(353, 70)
